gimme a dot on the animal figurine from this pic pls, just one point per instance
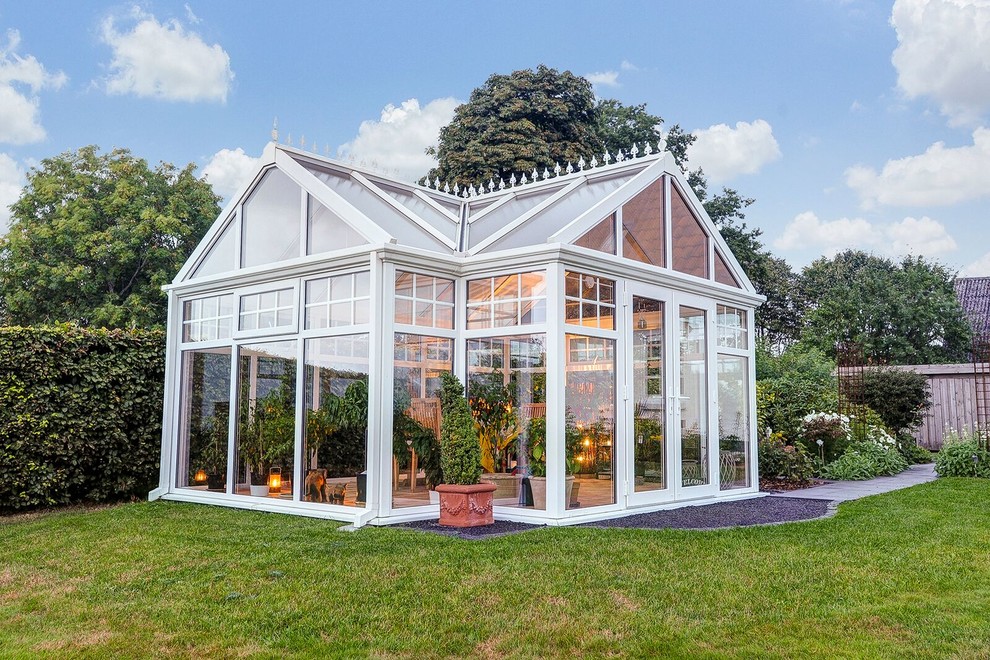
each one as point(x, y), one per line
point(338, 493)
point(317, 489)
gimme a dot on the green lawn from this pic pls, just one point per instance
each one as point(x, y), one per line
point(900, 575)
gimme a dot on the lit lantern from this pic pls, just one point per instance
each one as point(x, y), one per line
point(200, 476)
point(275, 480)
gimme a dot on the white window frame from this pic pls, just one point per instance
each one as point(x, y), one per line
point(260, 333)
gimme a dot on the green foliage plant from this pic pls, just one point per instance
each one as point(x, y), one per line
point(866, 460)
point(799, 381)
point(826, 433)
point(963, 455)
point(94, 236)
point(270, 436)
point(784, 461)
point(901, 398)
point(495, 419)
point(80, 414)
point(538, 446)
point(460, 452)
point(912, 452)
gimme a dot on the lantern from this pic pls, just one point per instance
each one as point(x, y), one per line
point(200, 476)
point(275, 480)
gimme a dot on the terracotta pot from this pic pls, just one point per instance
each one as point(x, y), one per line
point(466, 506)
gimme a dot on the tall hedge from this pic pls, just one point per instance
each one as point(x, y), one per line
point(80, 414)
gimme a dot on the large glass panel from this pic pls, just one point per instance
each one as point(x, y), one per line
point(601, 237)
point(326, 232)
point(270, 221)
point(642, 226)
point(205, 405)
point(649, 395)
point(336, 434)
point(589, 434)
point(507, 388)
point(688, 238)
point(722, 273)
point(693, 398)
point(419, 362)
point(220, 258)
point(266, 428)
point(733, 422)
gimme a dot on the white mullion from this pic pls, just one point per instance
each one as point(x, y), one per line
point(668, 231)
point(556, 398)
point(297, 447)
point(232, 417)
point(303, 225)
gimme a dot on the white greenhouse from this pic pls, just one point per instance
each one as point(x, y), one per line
point(602, 326)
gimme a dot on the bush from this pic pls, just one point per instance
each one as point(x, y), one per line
point(780, 460)
point(828, 433)
point(900, 398)
point(460, 452)
point(799, 381)
point(962, 456)
point(912, 453)
point(866, 460)
point(80, 414)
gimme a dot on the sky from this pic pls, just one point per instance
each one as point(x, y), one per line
point(852, 124)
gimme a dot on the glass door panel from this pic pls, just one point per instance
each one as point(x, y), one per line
point(649, 395)
point(693, 397)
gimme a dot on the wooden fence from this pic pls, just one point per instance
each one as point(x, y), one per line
point(953, 388)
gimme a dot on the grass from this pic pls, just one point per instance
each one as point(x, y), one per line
point(905, 574)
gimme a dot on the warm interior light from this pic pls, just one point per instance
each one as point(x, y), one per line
point(587, 442)
point(200, 476)
point(275, 480)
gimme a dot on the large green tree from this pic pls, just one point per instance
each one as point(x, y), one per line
point(94, 236)
point(900, 312)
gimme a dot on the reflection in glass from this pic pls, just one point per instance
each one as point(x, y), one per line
point(335, 437)
point(733, 422)
point(204, 423)
point(419, 362)
point(642, 226)
point(507, 392)
point(693, 398)
point(266, 408)
point(688, 238)
point(601, 237)
point(648, 395)
point(589, 399)
point(270, 221)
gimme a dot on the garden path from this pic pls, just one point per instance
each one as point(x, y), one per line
point(843, 491)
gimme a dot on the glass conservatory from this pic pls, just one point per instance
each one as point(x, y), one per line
point(603, 329)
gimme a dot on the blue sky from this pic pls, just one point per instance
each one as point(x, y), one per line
point(852, 124)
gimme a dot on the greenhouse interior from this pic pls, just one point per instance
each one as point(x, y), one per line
point(601, 326)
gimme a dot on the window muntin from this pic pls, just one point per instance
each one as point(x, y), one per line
point(507, 300)
point(267, 310)
point(207, 319)
point(732, 329)
point(340, 300)
point(424, 300)
point(589, 301)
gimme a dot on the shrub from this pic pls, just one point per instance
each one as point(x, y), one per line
point(962, 456)
point(460, 452)
point(799, 381)
point(912, 453)
point(900, 398)
point(781, 460)
point(828, 433)
point(865, 460)
point(80, 414)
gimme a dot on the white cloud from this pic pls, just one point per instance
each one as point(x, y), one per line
point(398, 140)
point(944, 52)
point(940, 176)
point(20, 121)
point(165, 61)
point(979, 268)
point(919, 236)
point(628, 66)
point(228, 170)
point(806, 231)
point(724, 152)
point(603, 78)
point(11, 182)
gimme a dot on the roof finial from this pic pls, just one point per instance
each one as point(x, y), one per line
point(536, 175)
point(662, 144)
point(569, 168)
point(275, 130)
point(634, 151)
point(648, 149)
point(491, 184)
point(581, 163)
point(523, 181)
point(446, 187)
point(607, 157)
point(546, 174)
point(512, 180)
point(556, 169)
point(594, 162)
point(501, 183)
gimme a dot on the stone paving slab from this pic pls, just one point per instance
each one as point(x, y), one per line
point(844, 491)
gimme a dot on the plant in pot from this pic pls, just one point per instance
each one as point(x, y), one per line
point(495, 419)
point(538, 460)
point(269, 437)
point(336, 435)
point(214, 456)
point(464, 502)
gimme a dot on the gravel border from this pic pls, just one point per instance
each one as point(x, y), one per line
point(718, 515)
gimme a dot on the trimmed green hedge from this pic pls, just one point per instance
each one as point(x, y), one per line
point(80, 414)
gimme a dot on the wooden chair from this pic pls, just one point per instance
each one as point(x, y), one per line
point(426, 412)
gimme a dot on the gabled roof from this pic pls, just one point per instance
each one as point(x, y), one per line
point(974, 297)
point(557, 207)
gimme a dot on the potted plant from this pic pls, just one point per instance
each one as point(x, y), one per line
point(495, 419)
point(464, 501)
point(269, 437)
point(538, 460)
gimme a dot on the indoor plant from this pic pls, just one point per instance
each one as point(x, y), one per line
point(495, 420)
point(269, 436)
point(464, 502)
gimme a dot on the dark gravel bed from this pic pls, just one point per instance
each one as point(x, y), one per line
point(500, 528)
point(741, 513)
